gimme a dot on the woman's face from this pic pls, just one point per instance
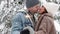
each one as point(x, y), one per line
point(41, 9)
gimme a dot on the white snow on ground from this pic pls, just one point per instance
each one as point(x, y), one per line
point(57, 25)
point(2, 25)
point(2, 4)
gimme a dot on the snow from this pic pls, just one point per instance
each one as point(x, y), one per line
point(57, 25)
point(2, 25)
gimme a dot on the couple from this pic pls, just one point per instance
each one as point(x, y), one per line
point(45, 22)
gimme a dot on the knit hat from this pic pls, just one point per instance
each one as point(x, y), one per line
point(31, 3)
point(51, 7)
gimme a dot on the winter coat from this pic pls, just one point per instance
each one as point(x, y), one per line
point(45, 24)
point(19, 22)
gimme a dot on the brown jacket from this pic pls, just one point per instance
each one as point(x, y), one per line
point(45, 24)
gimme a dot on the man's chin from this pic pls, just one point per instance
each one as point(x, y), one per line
point(33, 12)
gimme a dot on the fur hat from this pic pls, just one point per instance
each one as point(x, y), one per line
point(51, 7)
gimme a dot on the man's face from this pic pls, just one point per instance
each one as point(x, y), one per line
point(33, 9)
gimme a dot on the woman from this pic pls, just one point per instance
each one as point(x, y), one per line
point(45, 24)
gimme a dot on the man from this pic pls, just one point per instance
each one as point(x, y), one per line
point(32, 7)
point(23, 19)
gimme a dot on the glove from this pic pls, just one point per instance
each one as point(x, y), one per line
point(25, 31)
point(30, 29)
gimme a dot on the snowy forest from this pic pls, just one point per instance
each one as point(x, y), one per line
point(8, 8)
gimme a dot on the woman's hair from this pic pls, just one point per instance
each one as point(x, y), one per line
point(45, 10)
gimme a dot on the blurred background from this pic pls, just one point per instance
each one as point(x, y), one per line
point(8, 8)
